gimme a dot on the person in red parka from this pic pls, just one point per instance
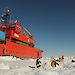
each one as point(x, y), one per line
point(62, 58)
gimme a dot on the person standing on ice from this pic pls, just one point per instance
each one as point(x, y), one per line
point(59, 58)
point(53, 63)
point(62, 58)
point(38, 63)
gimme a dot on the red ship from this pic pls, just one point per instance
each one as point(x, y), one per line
point(13, 42)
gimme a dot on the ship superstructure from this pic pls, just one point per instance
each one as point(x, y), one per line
point(13, 42)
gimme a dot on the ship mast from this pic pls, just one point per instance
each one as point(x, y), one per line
point(5, 17)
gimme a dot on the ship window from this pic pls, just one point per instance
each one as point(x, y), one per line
point(0, 27)
point(2, 42)
point(13, 40)
point(13, 26)
point(18, 28)
point(7, 39)
point(22, 43)
point(19, 42)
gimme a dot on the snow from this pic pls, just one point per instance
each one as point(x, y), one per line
point(13, 66)
point(4, 66)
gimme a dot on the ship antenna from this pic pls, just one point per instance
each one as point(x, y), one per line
point(5, 17)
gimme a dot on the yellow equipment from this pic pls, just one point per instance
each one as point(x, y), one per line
point(53, 64)
point(31, 36)
point(59, 58)
point(27, 31)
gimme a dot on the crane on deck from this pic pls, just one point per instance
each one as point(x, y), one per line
point(31, 36)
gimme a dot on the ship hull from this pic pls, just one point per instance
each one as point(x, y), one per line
point(13, 49)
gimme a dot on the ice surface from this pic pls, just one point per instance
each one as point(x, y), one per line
point(4, 66)
point(13, 66)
